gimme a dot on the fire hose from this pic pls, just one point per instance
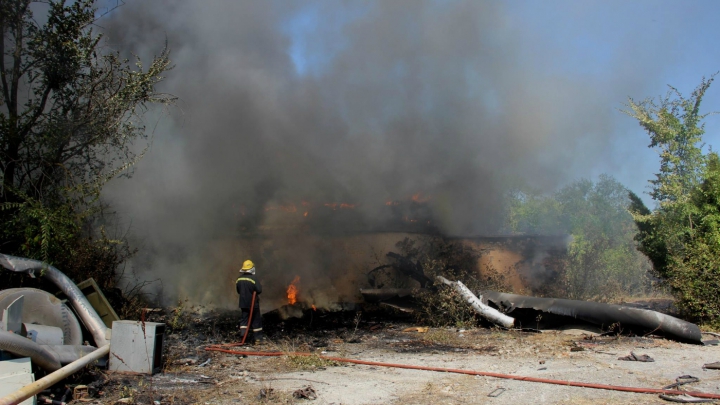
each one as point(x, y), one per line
point(249, 322)
point(640, 390)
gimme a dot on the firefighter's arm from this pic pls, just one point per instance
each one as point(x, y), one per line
point(258, 286)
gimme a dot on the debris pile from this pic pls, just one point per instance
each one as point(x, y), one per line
point(40, 329)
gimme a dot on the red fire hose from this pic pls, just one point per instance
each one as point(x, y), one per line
point(220, 348)
point(252, 306)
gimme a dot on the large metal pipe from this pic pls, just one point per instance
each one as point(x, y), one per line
point(85, 311)
point(21, 346)
point(48, 357)
point(640, 321)
point(67, 354)
point(53, 378)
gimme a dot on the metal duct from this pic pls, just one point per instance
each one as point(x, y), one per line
point(92, 321)
point(42, 308)
point(641, 321)
point(21, 346)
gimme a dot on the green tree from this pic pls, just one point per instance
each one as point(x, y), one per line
point(70, 110)
point(602, 257)
point(602, 261)
point(681, 236)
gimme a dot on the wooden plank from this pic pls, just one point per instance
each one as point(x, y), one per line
point(97, 299)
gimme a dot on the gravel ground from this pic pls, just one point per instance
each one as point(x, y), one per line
point(568, 355)
point(544, 356)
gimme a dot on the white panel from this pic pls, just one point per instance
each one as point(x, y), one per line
point(15, 374)
point(133, 346)
point(12, 316)
point(15, 366)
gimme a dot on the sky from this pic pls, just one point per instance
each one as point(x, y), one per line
point(283, 102)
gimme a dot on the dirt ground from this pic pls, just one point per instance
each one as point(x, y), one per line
point(193, 375)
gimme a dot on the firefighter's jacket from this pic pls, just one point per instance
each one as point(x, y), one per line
point(247, 284)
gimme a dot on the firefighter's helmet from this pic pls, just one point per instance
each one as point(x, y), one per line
point(247, 266)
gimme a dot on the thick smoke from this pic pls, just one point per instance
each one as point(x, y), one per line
point(336, 102)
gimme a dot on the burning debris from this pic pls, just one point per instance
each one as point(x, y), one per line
point(292, 291)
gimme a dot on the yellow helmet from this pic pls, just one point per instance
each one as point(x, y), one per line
point(247, 265)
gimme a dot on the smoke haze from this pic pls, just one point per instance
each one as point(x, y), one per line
point(359, 103)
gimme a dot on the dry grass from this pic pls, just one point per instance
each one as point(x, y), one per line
point(310, 363)
point(440, 336)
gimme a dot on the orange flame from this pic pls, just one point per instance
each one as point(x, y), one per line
point(314, 308)
point(334, 206)
point(418, 198)
point(305, 214)
point(292, 291)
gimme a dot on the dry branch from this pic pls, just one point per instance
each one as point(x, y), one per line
point(483, 310)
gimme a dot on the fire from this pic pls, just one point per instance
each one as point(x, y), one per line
point(419, 198)
point(292, 291)
point(343, 206)
point(314, 307)
point(305, 214)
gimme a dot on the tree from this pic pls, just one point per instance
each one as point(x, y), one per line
point(602, 260)
point(681, 236)
point(70, 110)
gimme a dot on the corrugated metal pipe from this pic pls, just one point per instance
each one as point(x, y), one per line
point(21, 346)
point(93, 322)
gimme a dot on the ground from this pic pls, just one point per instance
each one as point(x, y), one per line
point(193, 375)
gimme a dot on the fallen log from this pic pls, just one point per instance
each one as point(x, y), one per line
point(487, 312)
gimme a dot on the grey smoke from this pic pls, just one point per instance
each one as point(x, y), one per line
point(455, 100)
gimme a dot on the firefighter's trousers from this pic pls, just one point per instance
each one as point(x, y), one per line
point(256, 322)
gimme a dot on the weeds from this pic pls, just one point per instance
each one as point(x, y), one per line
point(310, 362)
point(296, 359)
point(358, 315)
point(180, 316)
point(440, 336)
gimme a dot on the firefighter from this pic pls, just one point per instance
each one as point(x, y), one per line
point(247, 284)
